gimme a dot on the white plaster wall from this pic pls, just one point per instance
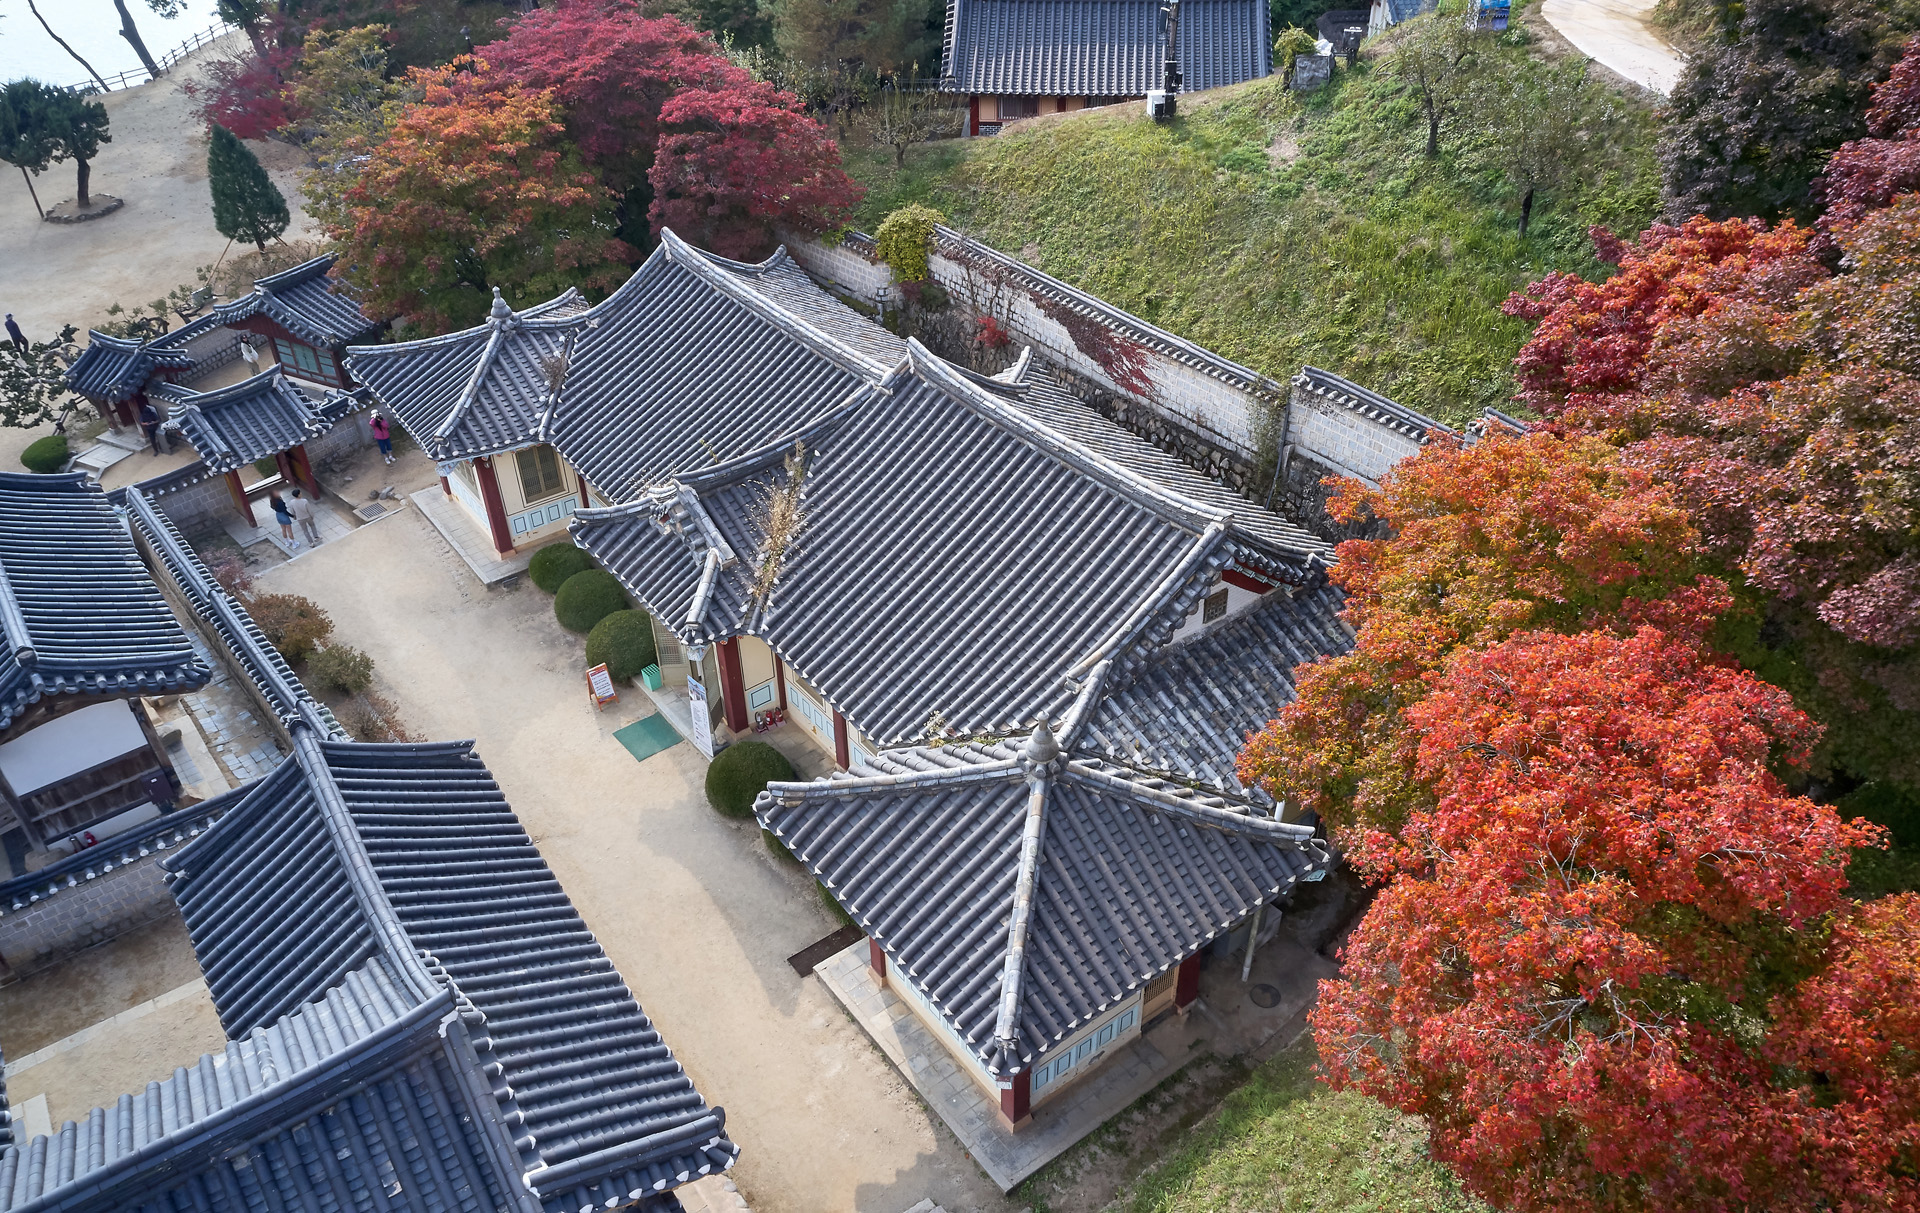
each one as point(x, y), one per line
point(1347, 442)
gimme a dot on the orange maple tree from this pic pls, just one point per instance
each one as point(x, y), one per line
point(474, 187)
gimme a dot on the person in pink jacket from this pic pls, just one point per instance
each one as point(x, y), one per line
point(382, 434)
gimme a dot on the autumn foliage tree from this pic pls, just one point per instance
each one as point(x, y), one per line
point(471, 188)
point(1613, 964)
point(735, 162)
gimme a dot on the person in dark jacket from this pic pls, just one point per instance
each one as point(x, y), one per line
point(14, 334)
point(150, 426)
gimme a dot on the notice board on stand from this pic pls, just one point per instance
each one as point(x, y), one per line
point(600, 686)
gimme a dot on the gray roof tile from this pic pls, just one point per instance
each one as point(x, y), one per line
point(409, 855)
point(1187, 709)
point(303, 300)
point(1017, 945)
point(78, 611)
point(114, 368)
point(1100, 48)
point(243, 422)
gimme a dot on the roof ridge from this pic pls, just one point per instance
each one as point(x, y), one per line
point(501, 326)
point(1183, 511)
point(295, 274)
point(701, 265)
point(13, 625)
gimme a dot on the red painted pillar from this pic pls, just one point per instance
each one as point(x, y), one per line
point(303, 471)
point(1016, 1097)
point(285, 466)
point(973, 116)
point(585, 501)
point(238, 492)
point(445, 487)
point(1186, 986)
point(496, 509)
point(780, 680)
point(878, 959)
point(840, 739)
point(733, 690)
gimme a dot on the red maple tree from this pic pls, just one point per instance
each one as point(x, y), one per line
point(735, 161)
point(1614, 957)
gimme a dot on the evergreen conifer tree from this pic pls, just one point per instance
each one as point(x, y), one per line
point(246, 203)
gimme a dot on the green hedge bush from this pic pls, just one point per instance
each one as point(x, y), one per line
point(742, 771)
point(47, 454)
point(586, 598)
point(293, 624)
point(556, 562)
point(342, 667)
point(624, 641)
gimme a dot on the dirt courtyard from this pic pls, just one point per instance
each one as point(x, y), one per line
point(692, 908)
point(53, 274)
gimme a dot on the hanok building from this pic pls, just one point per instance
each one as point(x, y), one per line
point(260, 418)
point(417, 1021)
point(87, 633)
point(302, 316)
point(1017, 59)
point(112, 374)
point(1036, 907)
point(536, 413)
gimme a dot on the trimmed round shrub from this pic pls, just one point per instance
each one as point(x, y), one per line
point(586, 598)
point(342, 667)
point(624, 642)
point(47, 454)
point(556, 562)
point(742, 771)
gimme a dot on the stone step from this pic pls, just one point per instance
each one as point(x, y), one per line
point(129, 439)
point(97, 459)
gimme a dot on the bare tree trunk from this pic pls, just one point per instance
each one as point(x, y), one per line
point(36, 193)
point(131, 33)
point(1526, 210)
point(86, 171)
point(1433, 130)
point(253, 36)
point(66, 48)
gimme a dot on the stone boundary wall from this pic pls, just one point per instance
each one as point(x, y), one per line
point(89, 898)
point(197, 501)
point(1270, 441)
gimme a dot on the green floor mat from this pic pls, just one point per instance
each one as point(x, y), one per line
point(648, 736)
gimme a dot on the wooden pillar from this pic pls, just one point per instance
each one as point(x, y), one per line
point(238, 492)
point(733, 690)
point(303, 471)
point(1016, 1098)
point(285, 466)
point(878, 959)
point(585, 501)
point(780, 680)
point(445, 487)
point(840, 739)
point(1186, 986)
point(973, 116)
point(496, 508)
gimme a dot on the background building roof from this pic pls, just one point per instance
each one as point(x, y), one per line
point(79, 613)
point(306, 302)
point(1025, 890)
point(1100, 48)
point(114, 368)
point(258, 417)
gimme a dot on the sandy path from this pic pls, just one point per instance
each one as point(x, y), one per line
point(53, 274)
point(1618, 34)
point(693, 910)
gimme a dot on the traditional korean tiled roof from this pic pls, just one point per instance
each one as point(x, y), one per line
point(306, 302)
point(221, 612)
point(1024, 889)
point(1346, 394)
point(79, 613)
point(6, 1113)
point(480, 391)
point(1271, 543)
point(408, 857)
point(114, 368)
point(1100, 48)
point(1015, 559)
point(1187, 709)
point(696, 361)
point(235, 425)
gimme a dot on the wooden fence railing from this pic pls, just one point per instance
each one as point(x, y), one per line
point(138, 75)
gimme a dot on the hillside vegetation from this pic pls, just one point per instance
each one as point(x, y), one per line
point(1283, 230)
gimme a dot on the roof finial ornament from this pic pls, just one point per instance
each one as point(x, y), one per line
point(500, 309)
point(1041, 748)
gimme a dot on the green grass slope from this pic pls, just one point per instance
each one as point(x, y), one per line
point(1282, 230)
point(1283, 1142)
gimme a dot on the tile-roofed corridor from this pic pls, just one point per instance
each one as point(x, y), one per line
point(79, 612)
point(1024, 888)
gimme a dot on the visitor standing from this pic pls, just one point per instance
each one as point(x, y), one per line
point(150, 425)
point(283, 516)
point(250, 354)
point(382, 434)
point(14, 334)
point(302, 511)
